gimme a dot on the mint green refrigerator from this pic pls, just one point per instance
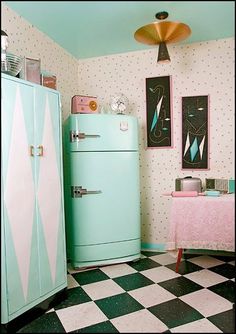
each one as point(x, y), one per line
point(102, 195)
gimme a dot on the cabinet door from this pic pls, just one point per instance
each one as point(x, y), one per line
point(49, 190)
point(18, 175)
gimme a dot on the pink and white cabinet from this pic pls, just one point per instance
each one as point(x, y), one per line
point(33, 257)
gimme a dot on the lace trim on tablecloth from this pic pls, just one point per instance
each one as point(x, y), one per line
point(221, 246)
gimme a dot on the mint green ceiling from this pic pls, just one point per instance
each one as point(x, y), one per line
point(97, 28)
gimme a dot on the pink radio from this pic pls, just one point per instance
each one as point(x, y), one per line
point(84, 104)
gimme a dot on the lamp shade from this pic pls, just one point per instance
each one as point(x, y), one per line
point(166, 31)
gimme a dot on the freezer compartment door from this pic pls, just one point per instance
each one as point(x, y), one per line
point(107, 206)
point(99, 132)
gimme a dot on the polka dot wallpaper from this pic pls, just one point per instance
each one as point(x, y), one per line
point(205, 68)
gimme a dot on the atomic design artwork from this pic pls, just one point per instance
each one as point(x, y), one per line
point(195, 132)
point(158, 112)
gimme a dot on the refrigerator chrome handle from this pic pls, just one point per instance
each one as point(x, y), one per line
point(76, 136)
point(78, 191)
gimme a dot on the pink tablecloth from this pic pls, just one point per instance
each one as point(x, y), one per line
point(202, 222)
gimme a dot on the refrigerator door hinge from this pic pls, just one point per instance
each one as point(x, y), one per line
point(78, 191)
point(77, 136)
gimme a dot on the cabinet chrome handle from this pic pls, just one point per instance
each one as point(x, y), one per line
point(40, 148)
point(31, 150)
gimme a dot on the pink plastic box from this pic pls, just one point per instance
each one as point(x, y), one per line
point(84, 104)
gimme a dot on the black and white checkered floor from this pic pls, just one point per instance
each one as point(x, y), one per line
point(147, 296)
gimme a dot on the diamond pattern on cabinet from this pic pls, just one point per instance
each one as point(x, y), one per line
point(19, 180)
point(48, 187)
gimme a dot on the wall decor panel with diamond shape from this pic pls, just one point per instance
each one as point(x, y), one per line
point(195, 134)
point(158, 109)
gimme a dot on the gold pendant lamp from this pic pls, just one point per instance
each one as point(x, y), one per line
point(162, 33)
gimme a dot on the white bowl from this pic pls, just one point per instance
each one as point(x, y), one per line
point(12, 65)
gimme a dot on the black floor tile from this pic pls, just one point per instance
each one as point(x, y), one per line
point(102, 327)
point(225, 289)
point(3, 329)
point(180, 286)
point(225, 258)
point(47, 323)
point(118, 305)
point(175, 313)
point(90, 276)
point(144, 264)
point(226, 270)
point(151, 253)
point(185, 267)
point(187, 256)
point(75, 296)
point(225, 321)
point(133, 281)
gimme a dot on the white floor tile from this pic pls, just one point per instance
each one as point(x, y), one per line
point(151, 295)
point(199, 326)
point(206, 278)
point(71, 282)
point(160, 274)
point(164, 259)
point(50, 310)
point(207, 302)
point(205, 261)
point(118, 270)
point(232, 262)
point(139, 322)
point(79, 316)
point(102, 289)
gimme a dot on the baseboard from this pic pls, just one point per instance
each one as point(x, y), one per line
point(161, 248)
point(152, 247)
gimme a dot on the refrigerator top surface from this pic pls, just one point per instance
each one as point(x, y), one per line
point(101, 132)
point(99, 115)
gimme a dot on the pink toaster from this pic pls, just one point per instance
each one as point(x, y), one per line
point(84, 104)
